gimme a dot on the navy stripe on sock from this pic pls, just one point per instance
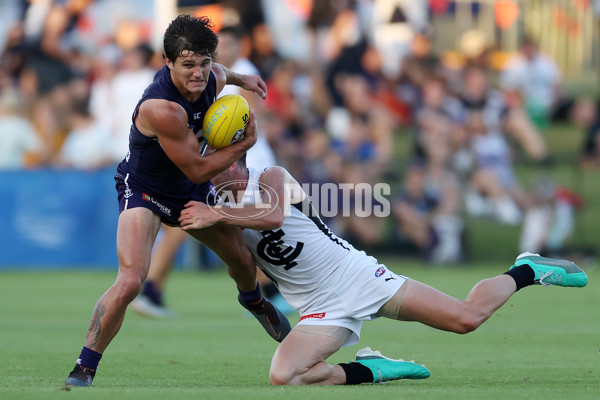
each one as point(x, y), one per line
point(251, 297)
point(89, 358)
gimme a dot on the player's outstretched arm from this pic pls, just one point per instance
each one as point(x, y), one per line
point(278, 190)
point(253, 83)
point(168, 122)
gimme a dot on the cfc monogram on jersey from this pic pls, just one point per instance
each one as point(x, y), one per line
point(274, 251)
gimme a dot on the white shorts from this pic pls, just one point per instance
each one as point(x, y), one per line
point(355, 299)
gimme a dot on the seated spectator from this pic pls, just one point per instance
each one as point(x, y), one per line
point(17, 136)
point(361, 132)
point(477, 95)
point(88, 144)
point(496, 190)
point(548, 225)
point(438, 114)
point(586, 115)
point(356, 214)
point(426, 211)
point(536, 79)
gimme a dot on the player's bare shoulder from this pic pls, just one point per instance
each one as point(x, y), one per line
point(219, 73)
point(158, 117)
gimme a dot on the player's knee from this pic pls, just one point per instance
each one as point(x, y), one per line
point(281, 377)
point(283, 374)
point(129, 288)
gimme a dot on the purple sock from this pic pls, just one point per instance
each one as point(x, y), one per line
point(89, 358)
point(250, 297)
point(152, 292)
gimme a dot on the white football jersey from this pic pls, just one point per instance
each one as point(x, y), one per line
point(303, 257)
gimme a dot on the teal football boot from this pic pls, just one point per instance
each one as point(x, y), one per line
point(550, 271)
point(386, 369)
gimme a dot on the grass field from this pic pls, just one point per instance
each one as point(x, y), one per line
point(543, 344)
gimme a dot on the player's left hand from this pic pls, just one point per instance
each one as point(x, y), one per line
point(254, 83)
point(197, 215)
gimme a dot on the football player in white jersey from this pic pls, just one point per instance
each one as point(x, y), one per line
point(335, 287)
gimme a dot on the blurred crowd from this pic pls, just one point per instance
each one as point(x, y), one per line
point(343, 114)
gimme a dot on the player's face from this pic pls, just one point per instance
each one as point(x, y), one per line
point(190, 73)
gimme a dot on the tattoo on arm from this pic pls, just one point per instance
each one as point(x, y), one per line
point(95, 329)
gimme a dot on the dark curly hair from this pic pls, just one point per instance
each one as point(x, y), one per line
point(190, 33)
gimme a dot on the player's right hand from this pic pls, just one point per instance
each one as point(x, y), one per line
point(197, 215)
point(251, 131)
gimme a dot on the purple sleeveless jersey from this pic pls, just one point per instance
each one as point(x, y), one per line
point(147, 177)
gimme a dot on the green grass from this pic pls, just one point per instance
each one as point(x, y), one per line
point(543, 344)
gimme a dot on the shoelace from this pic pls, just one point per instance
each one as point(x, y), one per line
point(546, 275)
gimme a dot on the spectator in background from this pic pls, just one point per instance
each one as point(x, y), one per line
point(263, 55)
point(52, 43)
point(427, 209)
point(476, 94)
point(360, 132)
point(586, 115)
point(282, 98)
point(18, 138)
point(535, 79)
point(496, 189)
point(51, 64)
point(361, 226)
point(439, 115)
point(130, 81)
point(105, 64)
point(88, 144)
point(548, 225)
point(12, 58)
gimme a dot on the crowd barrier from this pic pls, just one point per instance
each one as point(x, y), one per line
point(58, 218)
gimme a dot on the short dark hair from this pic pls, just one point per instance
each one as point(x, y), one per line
point(191, 33)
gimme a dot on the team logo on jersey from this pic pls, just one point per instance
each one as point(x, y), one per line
point(313, 316)
point(239, 134)
point(380, 271)
point(274, 251)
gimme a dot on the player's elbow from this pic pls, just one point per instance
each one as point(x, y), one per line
point(199, 171)
point(199, 178)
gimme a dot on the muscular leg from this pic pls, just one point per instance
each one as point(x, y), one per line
point(300, 360)
point(164, 254)
point(136, 233)
point(429, 306)
point(227, 242)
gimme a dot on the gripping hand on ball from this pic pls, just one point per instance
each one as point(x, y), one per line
point(250, 134)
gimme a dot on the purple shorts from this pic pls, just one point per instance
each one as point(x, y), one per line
point(132, 195)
